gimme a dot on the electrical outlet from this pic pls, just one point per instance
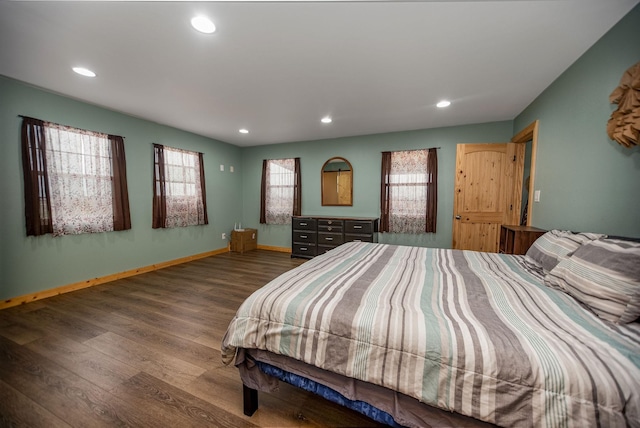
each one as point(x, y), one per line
point(224, 236)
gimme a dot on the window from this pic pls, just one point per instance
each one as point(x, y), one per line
point(179, 196)
point(280, 191)
point(409, 191)
point(75, 180)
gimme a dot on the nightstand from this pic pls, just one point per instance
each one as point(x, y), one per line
point(518, 239)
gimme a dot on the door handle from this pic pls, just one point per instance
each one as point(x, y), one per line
point(458, 217)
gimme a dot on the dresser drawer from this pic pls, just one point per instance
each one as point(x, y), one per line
point(324, 248)
point(327, 238)
point(353, 237)
point(304, 223)
point(303, 249)
point(304, 236)
point(361, 227)
point(324, 222)
point(334, 228)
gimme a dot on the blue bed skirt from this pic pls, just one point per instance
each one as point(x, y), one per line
point(329, 394)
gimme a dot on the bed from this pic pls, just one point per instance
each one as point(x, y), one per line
point(433, 337)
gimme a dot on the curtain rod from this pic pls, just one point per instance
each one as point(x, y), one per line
point(69, 126)
point(411, 150)
point(270, 159)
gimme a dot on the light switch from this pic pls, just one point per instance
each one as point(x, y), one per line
point(231, 168)
point(536, 196)
point(221, 167)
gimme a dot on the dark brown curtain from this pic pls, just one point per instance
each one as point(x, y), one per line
point(203, 188)
point(159, 193)
point(432, 191)
point(263, 193)
point(384, 192)
point(37, 205)
point(297, 189)
point(121, 213)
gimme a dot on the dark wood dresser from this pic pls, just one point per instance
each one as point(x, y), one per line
point(518, 239)
point(313, 235)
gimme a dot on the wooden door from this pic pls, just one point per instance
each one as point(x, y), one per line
point(487, 193)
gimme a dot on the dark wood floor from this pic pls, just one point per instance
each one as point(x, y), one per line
point(145, 351)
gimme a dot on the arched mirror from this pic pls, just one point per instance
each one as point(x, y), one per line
point(337, 182)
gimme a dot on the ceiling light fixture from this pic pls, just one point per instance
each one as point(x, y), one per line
point(84, 71)
point(443, 103)
point(203, 24)
point(326, 120)
point(243, 131)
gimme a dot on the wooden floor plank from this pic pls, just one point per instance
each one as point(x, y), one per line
point(63, 393)
point(145, 351)
point(84, 361)
point(164, 366)
point(17, 410)
point(169, 400)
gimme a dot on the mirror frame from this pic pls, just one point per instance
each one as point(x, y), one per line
point(350, 204)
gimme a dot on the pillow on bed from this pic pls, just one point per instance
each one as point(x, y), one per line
point(553, 246)
point(605, 276)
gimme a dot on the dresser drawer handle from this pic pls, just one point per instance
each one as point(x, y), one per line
point(329, 222)
point(303, 248)
point(303, 224)
point(329, 228)
point(328, 238)
point(303, 236)
point(357, 227)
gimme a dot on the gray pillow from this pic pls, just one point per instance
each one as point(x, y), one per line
point(605, 276)
point(555, 245)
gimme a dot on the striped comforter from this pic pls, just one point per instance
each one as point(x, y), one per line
point(474, 333)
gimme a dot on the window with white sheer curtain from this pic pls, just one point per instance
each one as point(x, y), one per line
point(179, 190)
point(409, 191)
point(75, 180)
point(280, 191)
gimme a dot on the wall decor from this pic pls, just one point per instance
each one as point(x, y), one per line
point(624, 124)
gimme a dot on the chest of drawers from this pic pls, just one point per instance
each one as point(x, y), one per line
point(313, 235)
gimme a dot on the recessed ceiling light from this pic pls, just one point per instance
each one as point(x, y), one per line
point(443, 103)
point(243, 131)
point(84, 71)
point(203, 24)
point(326, 120)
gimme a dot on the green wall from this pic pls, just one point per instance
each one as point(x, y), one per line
point(587, 181)
point(364, 155)
point(31, 264)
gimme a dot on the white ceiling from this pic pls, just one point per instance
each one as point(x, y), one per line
point(277, 68)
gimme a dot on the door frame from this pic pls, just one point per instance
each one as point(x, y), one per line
point(529, 133)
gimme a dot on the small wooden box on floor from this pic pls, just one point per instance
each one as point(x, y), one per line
point(244, 240)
